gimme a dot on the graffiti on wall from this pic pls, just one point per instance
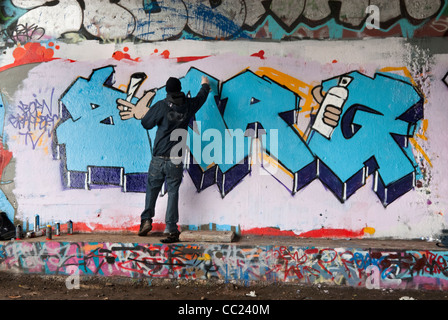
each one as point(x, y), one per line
point(89, 108)
point(5, 159)
point(257, 116)
point(370, 124)
point(35, 120)
point(248, 106)
point(151, 20)
point(310, 265)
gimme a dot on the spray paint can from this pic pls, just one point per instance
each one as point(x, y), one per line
point(19, 234)
point(49, 232)
point(58, 229)
point(39, 233)
point(336, 98)
point(36, 223)
point(70, 227)
point(134, 83)
point(30, 234)
point(34, 234)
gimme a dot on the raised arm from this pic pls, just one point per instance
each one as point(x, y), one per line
point(202, 95)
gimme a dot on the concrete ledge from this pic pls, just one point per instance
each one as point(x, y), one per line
point(207, 236)
point(358, 263)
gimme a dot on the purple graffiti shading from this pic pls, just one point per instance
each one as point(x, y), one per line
point(135, 182)
point(226, 182)
point(77, 179)
point(104, 175)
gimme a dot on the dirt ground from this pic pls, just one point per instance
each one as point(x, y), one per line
point(44, 287)
point(111, 297)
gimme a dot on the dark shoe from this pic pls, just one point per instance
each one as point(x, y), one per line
point(172, 237)
point(145, 227)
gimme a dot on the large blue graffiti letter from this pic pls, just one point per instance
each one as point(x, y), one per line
point(246, 105)
point(100, 148)
point(253, 101)
point(379, 116)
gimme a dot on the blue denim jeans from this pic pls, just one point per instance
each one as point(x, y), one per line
point(161, 170)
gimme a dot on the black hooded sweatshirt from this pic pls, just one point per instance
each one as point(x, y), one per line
point(174, 112)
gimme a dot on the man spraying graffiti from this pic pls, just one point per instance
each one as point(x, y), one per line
point(170, 114)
